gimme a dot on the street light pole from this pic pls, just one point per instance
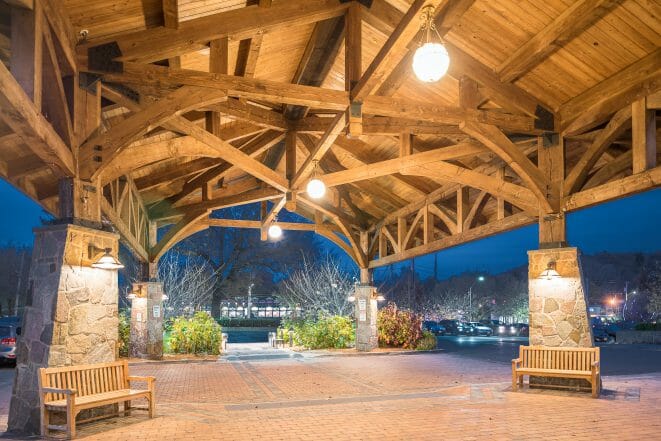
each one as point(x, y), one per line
point(470, 298)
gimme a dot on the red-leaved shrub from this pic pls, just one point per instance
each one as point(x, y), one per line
point(398, 328)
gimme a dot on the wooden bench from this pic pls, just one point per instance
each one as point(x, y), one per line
point(75, 388)
point(544, 361)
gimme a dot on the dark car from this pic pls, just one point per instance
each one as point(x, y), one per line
point(8, 334)
point(600, 334)
point(481, 329)
point(433, 327)
point(455, 327)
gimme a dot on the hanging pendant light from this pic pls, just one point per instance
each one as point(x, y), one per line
point(316, 188)
point(275, 232)
point(431, 59)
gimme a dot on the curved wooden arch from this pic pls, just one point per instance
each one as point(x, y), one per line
point(501, 145)
point(187, 226)
point(520, 196)
point(108, 145)
point(136, 156)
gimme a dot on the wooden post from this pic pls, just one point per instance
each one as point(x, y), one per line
point(643, 133)
point(80, 202)
point(353, 65)
point(463, 207)
point(551, 162)
point(405, 143)
point(365, 273)
point(26, 50)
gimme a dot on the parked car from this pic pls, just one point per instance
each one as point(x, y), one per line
point(8, 334)
point(600, 334)
point(455, 327)
point(481, 329)
point(433, 327)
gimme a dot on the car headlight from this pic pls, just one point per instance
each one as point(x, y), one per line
point(501, 329)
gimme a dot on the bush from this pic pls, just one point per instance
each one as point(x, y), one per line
point(648, 327)
point(427, 342)
point(335, 331)
point(198, 335)
point(398, 328)
point(124, 338)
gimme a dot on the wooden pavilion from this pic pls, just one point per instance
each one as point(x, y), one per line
point(134, 115)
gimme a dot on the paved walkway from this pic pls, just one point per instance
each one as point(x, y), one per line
point(435, 396)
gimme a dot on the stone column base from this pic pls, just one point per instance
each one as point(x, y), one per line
point(147, 321)
point(70, 314)
point(367, 338)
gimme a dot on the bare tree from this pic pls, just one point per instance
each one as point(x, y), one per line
point(319, 287)
point(188, 283)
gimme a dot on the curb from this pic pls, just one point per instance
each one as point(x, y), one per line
point(373, 354)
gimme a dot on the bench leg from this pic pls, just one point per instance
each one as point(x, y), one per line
point(45, 421)
point(595, 387)
point(521, 381)
point(71, 425)
point(151, 405)
point(127, 408)
point(515, 380)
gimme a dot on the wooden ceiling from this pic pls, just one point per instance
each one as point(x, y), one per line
point(203, 104)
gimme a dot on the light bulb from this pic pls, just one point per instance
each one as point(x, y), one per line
point(316, 188)
point(275, 231)
point(431, 62)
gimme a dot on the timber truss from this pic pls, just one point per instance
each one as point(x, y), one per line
point(225, 107)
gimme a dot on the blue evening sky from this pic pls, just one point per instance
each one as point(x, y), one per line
point(626, 225)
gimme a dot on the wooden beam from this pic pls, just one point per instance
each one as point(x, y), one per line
point(378, 125)
point(401, 108)
point(247, 112)
point(500, 144)
point(643, 135)
point(271, 216)
point(26, 4)
point(551, 162)
point(328, 138)
point(170, 13)
point(353, 65)
point(567, 26)
point(596, 104)
point(516, 194)
point(55, 97)
point(232, 155)
point(21, 115)
point(100, 150)
point(477, 205)
point(636, 183)
point(250, 88)
point(399, 165)
point(405, 143)
point(463, 207)
point(392, 52)
point(56, 14)
point(620, 122)
point(187, 226)
point(26, 46)
point(161, 43)
point(506, 94)
point(253, 149)
point(490, 229)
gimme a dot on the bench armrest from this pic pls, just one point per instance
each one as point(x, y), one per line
point(516, 362)
point(54, 390)
point(595, 366)
point(149, 380)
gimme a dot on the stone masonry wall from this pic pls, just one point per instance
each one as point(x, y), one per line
point(366, 310)
point(147, 321)
point(558, 308)
point(70, 316)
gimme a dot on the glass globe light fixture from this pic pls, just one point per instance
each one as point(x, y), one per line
point(316, 188)
point(275, 232)
point(431, 60)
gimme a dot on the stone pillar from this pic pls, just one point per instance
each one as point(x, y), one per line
point(147, 321)
point(366, 310)
point(70, 313)
point(558, 307)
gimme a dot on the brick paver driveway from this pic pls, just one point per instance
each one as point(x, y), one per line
point(436, 396)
